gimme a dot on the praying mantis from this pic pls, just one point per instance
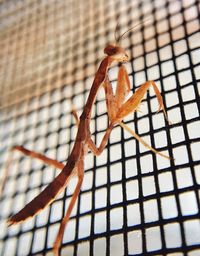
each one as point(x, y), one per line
point(117, 108)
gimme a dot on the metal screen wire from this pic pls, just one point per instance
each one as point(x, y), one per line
point(132, 202)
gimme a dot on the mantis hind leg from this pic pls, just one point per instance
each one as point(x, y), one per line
point(80, 174)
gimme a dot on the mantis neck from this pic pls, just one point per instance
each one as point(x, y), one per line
point(98, 80)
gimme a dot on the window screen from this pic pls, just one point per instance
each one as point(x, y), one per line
point(132, 202)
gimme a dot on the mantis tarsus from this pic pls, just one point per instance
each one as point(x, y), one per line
point(117, 109)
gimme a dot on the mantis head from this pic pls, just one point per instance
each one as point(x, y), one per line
point(116, 52)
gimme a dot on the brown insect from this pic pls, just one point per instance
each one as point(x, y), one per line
point(117, 109)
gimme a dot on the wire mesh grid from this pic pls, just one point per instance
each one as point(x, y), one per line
point(132, 202)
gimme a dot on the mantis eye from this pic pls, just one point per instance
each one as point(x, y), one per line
point(110, 50)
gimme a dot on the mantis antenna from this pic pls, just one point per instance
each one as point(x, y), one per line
point(118, 38)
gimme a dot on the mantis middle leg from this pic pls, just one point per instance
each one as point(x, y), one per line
point(32, 154)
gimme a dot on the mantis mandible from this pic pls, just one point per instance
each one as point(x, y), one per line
point(117, 109)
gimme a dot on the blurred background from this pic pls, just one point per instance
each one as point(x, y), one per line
point(132, 202)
